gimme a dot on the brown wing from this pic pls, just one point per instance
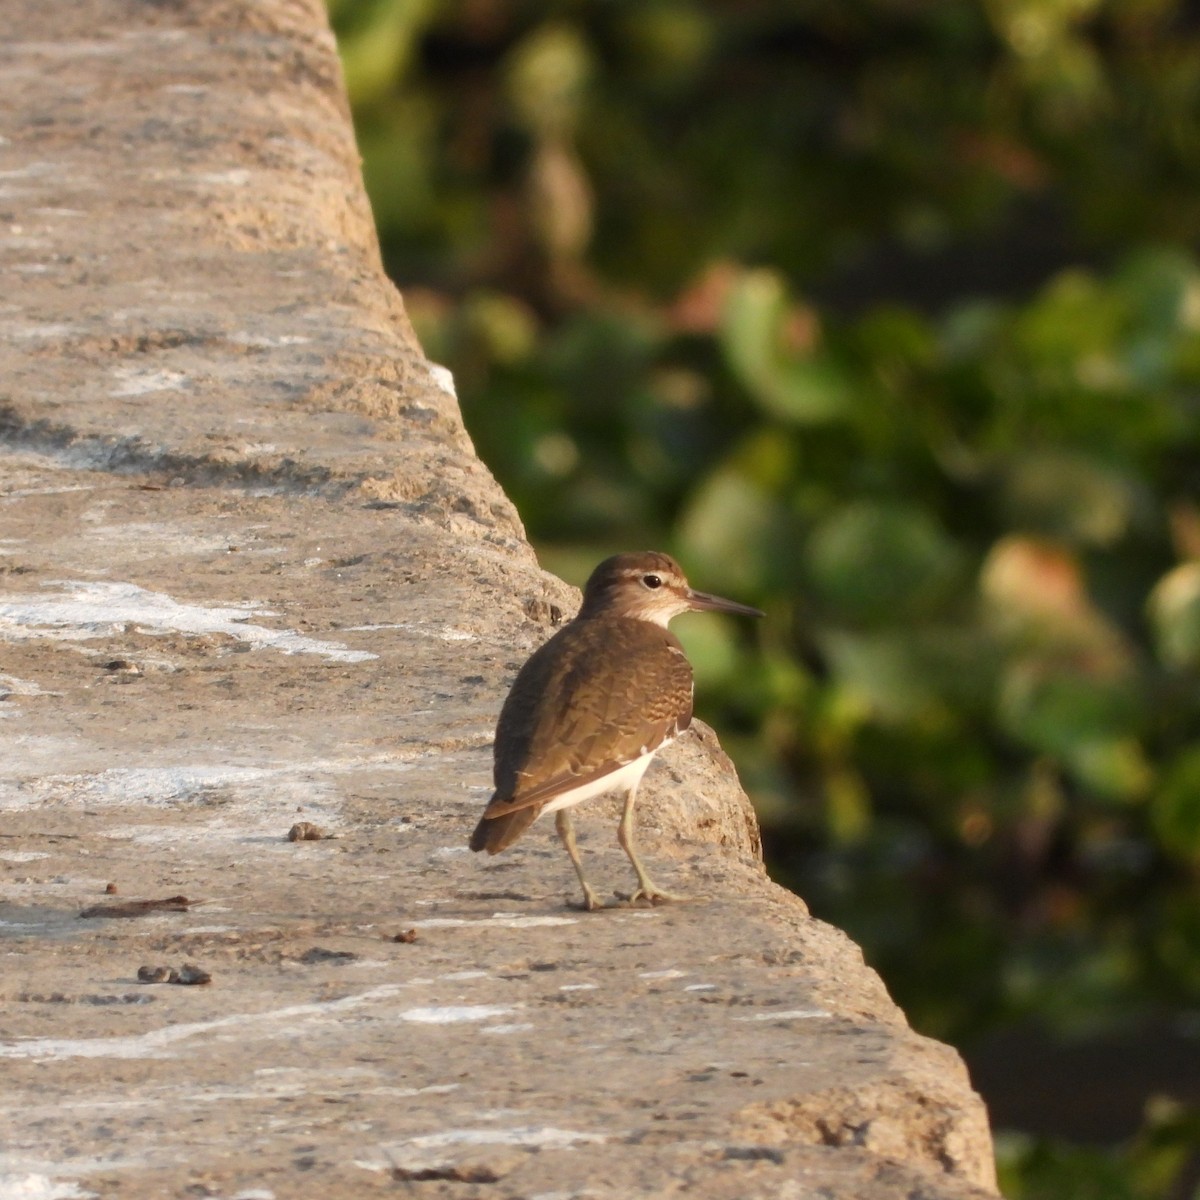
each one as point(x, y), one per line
point(598, 695)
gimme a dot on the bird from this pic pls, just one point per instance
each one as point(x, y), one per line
point(593, 705)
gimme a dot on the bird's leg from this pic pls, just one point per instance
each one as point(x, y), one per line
point(647, 888)
point(566, 832)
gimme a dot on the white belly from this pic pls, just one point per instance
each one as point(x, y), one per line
point(622, 779)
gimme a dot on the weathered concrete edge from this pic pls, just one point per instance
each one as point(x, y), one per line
point(949, 1131)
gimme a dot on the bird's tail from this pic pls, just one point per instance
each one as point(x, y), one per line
point(494, 834)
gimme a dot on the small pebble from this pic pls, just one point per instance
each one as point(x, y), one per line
point(306, 831)
point(110, 889)
point(190, 973)
point(157, 975)
point(140, 908)
point(466, 1173)
point(405, 935)
point(318, 954)
point(123, 666)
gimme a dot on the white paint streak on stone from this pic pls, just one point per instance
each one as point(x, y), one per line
point(788, 1014)
point(39, 1187)
point(10, 685)
point(274, 1023)
point(499, 920)
point(13, 687)
point(47, 491)
point(546, 1137)
point(291, 1082)
point(423, 1150)
point(234, 177)
point(38, 332)
point(444, 633)
point(260, 794)
point(138, 540)
point(452, 1014)
point(262, 341)
point(37, 170)
point(159, 787)
point(90, 609)
point(135, 382)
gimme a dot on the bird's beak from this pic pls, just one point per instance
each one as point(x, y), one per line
point(703, 602)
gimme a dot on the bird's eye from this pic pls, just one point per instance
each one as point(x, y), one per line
point(652, 581)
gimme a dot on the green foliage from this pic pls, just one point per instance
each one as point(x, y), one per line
point(1156, 1164)
point(886, 318)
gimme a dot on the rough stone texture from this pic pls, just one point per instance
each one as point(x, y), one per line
point(251, 575)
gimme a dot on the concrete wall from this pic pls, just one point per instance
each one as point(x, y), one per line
point(252, 574)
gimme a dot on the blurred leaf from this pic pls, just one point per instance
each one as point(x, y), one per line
point(667, 41)
point(1069, 496)
point(847, 805)
point(375, 40)
point(1052, 707)
point(395, 143)
point(872, 562)
point(896, 340)
point(1112, 768)
point(1073, 325)
point(1176, 804)
point(506, 327)
point(803, 384)
point(882, 672)
point(712, 649)
point(1026, 580)
point(1174, 608)
point(547, 72)
point(1161, 285)
point(731, 530)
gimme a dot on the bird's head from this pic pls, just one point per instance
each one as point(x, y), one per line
point(649, 586)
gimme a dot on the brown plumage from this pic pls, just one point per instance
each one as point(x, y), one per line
point(589, 709)
point(596, 696)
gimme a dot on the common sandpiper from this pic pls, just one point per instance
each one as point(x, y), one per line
point(590, 709)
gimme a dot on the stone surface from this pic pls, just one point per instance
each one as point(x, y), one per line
point(252, 576)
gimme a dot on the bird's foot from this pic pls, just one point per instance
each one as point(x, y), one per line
point(650, 892)
point(590, 902)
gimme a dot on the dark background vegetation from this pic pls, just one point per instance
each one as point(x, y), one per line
point(883, 315)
